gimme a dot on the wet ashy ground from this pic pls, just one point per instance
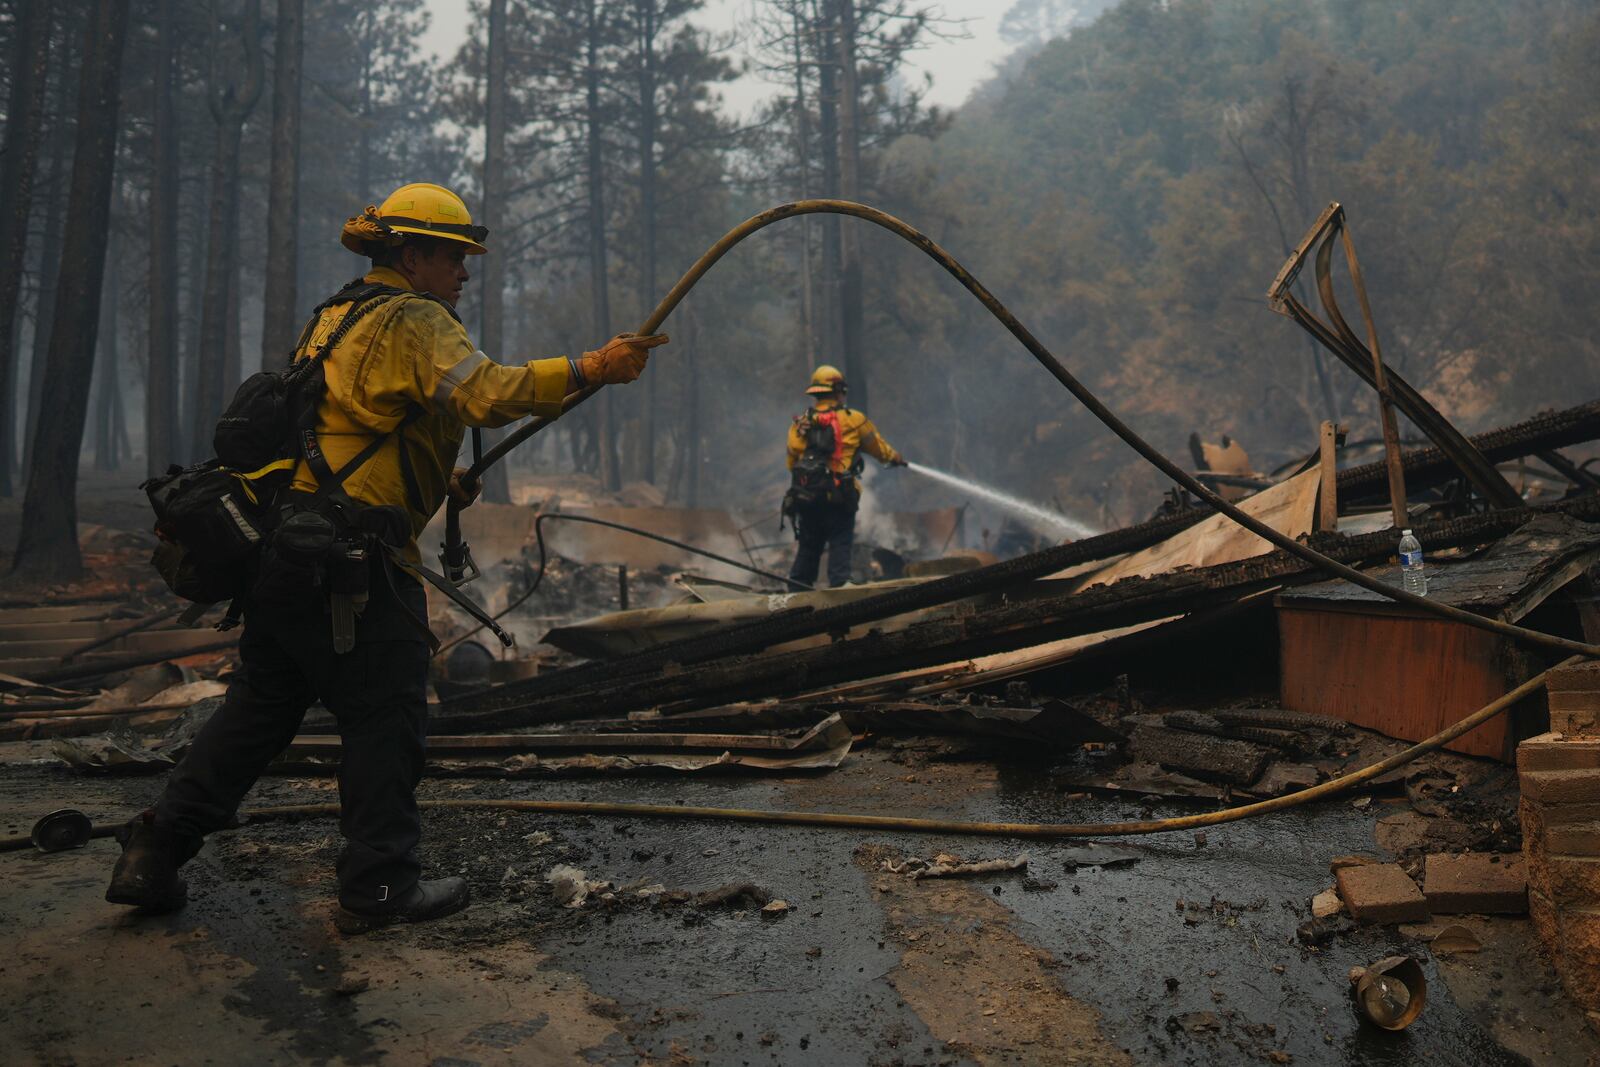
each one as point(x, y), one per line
point(1188, 955)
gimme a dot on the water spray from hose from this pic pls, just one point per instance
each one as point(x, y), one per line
point(1040, 518)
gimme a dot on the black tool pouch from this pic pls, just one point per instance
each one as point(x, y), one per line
point(293, 576)
point(212, 521)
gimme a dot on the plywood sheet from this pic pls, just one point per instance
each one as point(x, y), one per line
point(1405, 676)
point(1288, 507)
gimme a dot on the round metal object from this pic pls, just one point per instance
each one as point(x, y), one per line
point(60, 830)
point(1390, 993)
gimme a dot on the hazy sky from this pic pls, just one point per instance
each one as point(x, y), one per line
point(958, 66)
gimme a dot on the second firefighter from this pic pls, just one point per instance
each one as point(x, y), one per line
point(825, 446)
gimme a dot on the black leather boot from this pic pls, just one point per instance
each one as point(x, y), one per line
point(146, 875)
point(424, 901)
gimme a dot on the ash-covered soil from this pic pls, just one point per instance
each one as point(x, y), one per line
point(1187, 954)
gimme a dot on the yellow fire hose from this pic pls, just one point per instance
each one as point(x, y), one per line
point(906, 824)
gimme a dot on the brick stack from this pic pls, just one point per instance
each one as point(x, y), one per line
point(1560, 779)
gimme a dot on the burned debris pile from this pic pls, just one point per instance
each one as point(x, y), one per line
point(651, 667)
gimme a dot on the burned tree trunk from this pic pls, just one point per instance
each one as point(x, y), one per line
point(692, 420)
point(161, 379)
point(851, 317)
point(49, 248)
point(232, 97)
point(278, 326)
point(48, 545)
point(496, 484)
point(649, 18)
point(610, 466)
point(107, 373)
point(24, 124)
point(830, 339)
point(802, 139)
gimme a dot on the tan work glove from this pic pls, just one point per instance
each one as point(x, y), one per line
point(619, 360)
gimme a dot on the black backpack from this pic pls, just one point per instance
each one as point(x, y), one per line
point(214, 517)
point(812, 480)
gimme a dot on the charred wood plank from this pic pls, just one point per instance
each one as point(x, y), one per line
point(1428, 467)
point(1424, 467)
point(790, 625)
point(1004, 628)
point(1204, 756)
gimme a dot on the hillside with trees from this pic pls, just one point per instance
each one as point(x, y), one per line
point(1128, 183)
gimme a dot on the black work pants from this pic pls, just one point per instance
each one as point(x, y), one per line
point(377, 692)
point(824, 526)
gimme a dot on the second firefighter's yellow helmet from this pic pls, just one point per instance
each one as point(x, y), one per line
point(424, 209)
point(826, 379)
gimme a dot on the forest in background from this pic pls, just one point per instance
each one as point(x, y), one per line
point(1128, 184)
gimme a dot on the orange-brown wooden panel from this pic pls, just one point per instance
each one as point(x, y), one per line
point(1406, 677)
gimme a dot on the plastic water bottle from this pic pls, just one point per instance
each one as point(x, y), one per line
point(1413, 575)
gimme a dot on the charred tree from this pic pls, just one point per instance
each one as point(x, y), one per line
point(610, 466)
point(496, 485)
point(47, 548)
point(232, 95)
point(108, 373)
point(161, 380)
point(830, 337)
point(55, 207)
point(18, 158)
point(278, 325)
point(802, 153)
point(691, 422)
point(648, 22)
point(851, 318)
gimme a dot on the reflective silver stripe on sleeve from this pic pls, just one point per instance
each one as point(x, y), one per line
point(453, 378)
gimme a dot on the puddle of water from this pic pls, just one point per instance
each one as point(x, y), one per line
point(1122, 936)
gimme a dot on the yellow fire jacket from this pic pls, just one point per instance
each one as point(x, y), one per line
point(855, 433)
point(411, 353)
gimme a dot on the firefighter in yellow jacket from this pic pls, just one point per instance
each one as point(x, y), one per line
point(403, 380)
point(825, 446)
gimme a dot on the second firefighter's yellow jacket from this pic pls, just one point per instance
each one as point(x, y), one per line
point(854, 433)
point(411, 353)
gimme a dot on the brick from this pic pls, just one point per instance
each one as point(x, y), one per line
point(1561, 787)
point(1542, 910)
point(1566, 814)
point(1535, 857)
point(1573, 702)
point(1382, 893)
point(1531, 814)
point(1477, 883)
point(1578, 961)
point(1574, 723)
point(1558, 752)
point(1579, 676)
point(1571, 881)
point(1572, 839)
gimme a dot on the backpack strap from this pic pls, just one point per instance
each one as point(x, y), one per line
point(330, 481)
point(363, 297)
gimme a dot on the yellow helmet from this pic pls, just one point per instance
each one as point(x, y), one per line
point(421, 208)
point(826, 379)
